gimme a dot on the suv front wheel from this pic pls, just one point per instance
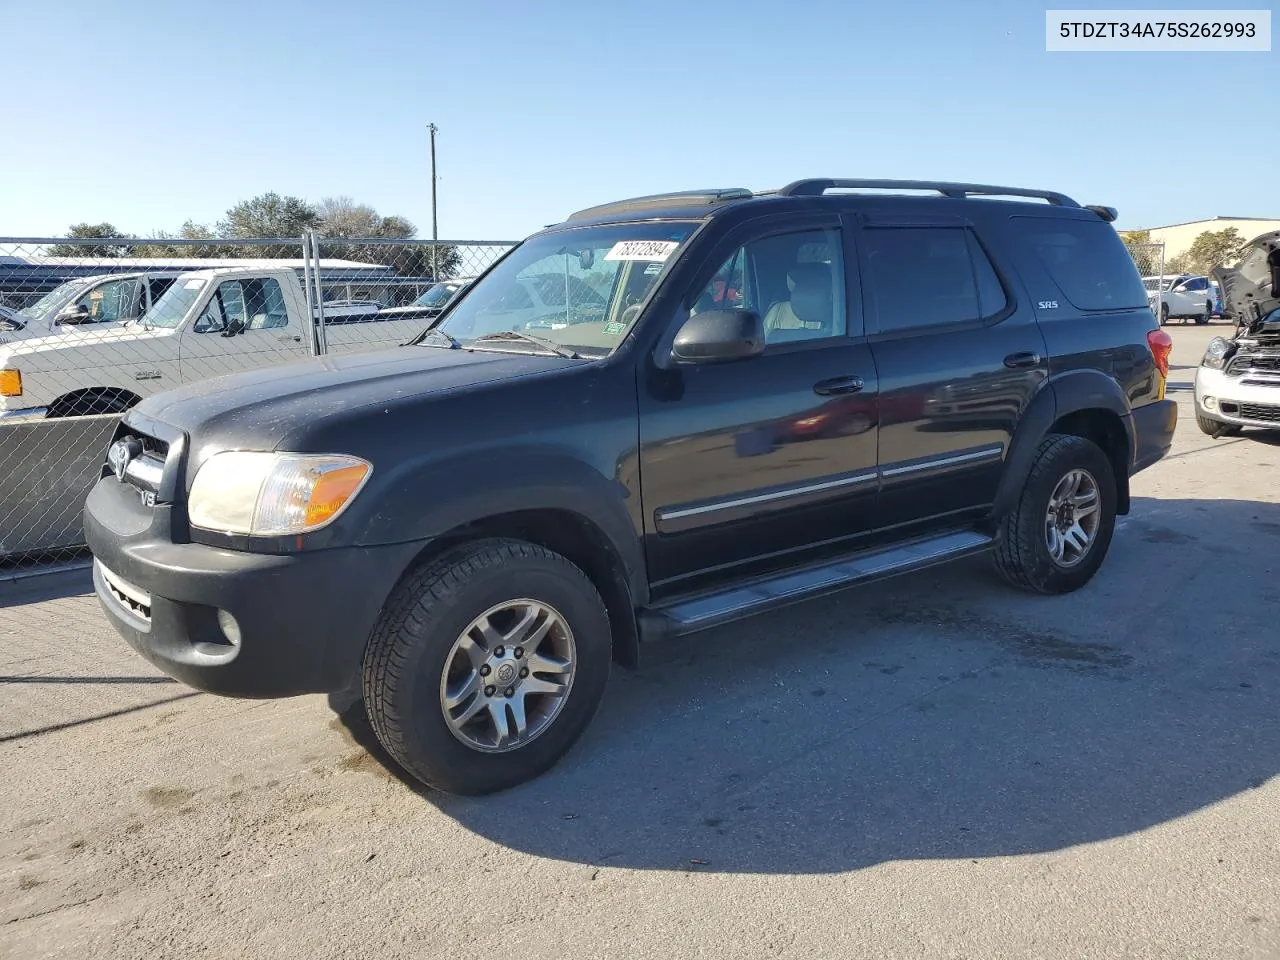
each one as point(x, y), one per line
point(1057, 535)
point(487, 666)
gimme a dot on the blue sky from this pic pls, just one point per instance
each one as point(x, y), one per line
point(147, 113)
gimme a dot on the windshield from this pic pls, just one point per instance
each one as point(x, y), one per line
point(169, 310)
point(54, 299)
point(438, 295)
point(579, 288)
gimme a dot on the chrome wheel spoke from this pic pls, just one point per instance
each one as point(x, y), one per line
point(468, 713)
point(1087, 510)
point(475, 652)
point(538, 685)
point(1055, 543)
point(529, 632)
point(490, 638)
point(538, 663)
point(458, 695)
point(521, 723)
point(501, 728)
point(1076, 538)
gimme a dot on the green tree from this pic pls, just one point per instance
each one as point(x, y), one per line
point(1212, 248)
point(343, 223)
point(93, 231)
point(189, 231)
point(269, 216)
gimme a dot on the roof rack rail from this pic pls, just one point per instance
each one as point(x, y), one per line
point(817, 187)
point(689, 197)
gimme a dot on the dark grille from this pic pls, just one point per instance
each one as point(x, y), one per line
point(150, 445)
point(1265, 364)
point(1264, 412)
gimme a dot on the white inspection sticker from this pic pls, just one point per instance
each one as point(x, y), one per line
point(193, 285)
point(652, 250)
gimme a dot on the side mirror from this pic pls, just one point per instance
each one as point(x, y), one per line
point(718, 336)
point(233, 327)
point(74, 314)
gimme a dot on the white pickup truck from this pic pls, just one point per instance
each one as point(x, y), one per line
point(207, 323)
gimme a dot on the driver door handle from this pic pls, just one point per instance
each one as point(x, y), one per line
point(287, 339)
point(1027, 359)
point(837, 386)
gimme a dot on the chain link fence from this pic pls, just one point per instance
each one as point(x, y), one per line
point(1148, 258)
point(90, 327)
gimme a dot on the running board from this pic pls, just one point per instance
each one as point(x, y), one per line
point(688, 615)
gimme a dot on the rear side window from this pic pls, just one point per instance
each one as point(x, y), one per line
point(930, 276)
point(1086, 259)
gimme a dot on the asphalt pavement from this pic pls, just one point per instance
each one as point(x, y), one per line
point(937, 766)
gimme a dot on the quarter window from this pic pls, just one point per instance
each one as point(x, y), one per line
point(1086, 259)
point(930, 276)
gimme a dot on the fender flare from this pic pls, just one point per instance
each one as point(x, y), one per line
point(438, 496)
point(1059, 396)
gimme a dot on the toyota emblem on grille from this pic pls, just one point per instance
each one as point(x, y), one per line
point(120, 453)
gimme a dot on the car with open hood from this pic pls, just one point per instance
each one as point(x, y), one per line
point(1238, 380)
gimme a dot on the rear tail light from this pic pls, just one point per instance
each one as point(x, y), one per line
point(1161, 345)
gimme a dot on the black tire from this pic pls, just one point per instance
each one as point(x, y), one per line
point(90, 404)
point(1022, 554)
point(1216, 428)
point(425, 616)
point(1205, 317)
point(1164, 314)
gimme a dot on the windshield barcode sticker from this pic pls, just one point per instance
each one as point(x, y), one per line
point(652, 250)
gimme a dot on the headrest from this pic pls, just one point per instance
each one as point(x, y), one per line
point(811, 299)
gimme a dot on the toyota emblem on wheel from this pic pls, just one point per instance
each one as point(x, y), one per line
point(120, 453)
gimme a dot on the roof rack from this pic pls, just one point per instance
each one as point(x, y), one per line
point(658, 200)
point(817, 187)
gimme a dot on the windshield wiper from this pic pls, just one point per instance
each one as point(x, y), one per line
point(453, 341)
point(551, 345)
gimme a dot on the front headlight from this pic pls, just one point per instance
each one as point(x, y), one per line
point(1215, 355)
point(274, 494)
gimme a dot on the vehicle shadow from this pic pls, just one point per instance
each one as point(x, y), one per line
point(940, 715)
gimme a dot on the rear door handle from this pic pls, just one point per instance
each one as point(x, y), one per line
point(838, 385)
point(1027, 359)
point(287, 339)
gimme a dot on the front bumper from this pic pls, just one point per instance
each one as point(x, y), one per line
point(1153, 428)
point(233, 623)
point(1236, 402)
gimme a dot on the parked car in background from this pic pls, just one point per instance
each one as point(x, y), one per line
point(587, 452)
point(107, 299)
point(208, 322)
point(1180, 297)
point(1238, 380)
point(431, 303)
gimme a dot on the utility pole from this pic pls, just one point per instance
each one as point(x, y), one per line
point(435, 235)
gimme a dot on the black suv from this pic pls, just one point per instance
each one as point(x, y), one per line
point(656, 417)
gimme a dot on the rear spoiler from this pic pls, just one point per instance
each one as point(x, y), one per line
point(1108, 214)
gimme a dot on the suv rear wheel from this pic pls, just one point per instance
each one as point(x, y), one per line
point(1057, 535)
point(487, 666)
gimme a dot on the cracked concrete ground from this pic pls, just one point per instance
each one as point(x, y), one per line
point(933, 767)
